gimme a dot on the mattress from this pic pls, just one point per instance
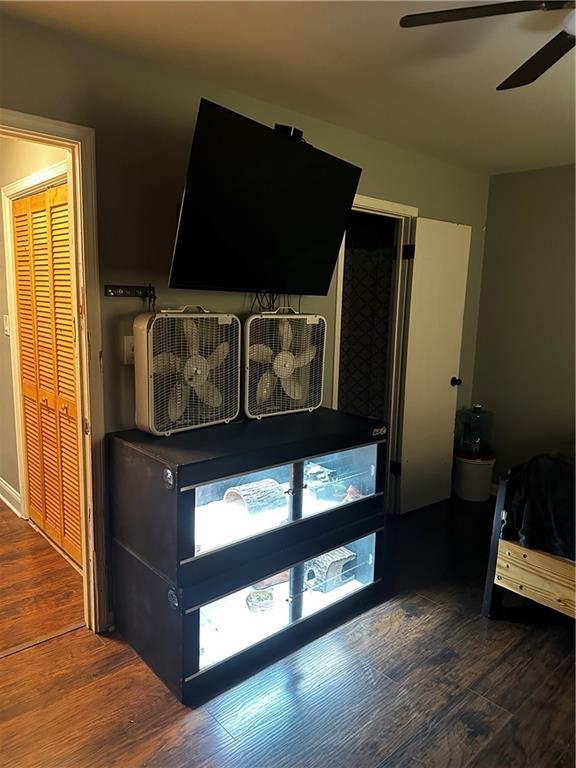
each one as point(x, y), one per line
point(540, 505)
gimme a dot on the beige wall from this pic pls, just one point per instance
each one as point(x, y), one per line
point(17, 160)
point(525, 349)
point(143, 115)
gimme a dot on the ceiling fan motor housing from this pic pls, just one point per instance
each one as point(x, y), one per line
point(284, 363)
point(187, 370)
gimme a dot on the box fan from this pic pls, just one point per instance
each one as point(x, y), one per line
point(187, 370)
point(284, 363)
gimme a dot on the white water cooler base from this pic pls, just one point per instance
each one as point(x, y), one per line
point(473, 478)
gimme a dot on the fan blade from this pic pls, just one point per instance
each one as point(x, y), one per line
point(304, 358)
point(219, 355)
point(293, 388)
point(166, 362)
point(472, 12)
point(542, 60)
point(192, 335)
point(209, 394)
point(265, 387)
point(285, 332)
point(260, 353)
point(178, 401)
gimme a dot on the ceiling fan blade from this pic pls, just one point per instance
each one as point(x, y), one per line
point(219, 355)
point(209, 394)
point(265, 387)
point(304, 358)
point(285, 331)
point(293, 388)
point(178, 401)
point(192, 335)
point(260, 353)
point(471, 12)
point(542, 60)
point(166, 362)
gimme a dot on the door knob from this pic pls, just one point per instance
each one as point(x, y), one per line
point(455, 381)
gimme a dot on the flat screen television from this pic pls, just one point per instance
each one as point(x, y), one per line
point(261, 211)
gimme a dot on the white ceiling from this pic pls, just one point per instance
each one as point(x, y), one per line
point(432, 89)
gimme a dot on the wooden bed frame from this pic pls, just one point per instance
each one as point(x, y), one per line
point(547, 579)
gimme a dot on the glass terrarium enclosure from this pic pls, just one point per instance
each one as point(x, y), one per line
point(238, 508)
point(244, 618)
point(337, 479)
point(237, 541)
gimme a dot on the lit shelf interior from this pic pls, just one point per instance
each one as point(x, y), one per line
point(229, 625)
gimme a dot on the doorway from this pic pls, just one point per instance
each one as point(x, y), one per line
point(369, 335)
point(366, 314)
point(51, 322)
point(399, 313)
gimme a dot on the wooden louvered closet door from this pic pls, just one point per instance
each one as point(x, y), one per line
point(46, 331)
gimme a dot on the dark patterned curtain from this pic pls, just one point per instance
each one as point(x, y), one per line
point(366, 315)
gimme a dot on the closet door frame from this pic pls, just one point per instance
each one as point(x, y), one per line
point(79, 172)
point(405, 215)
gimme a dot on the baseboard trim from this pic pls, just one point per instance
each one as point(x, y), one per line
point(10, 496)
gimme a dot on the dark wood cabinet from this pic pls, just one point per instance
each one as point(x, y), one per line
point(235, 543)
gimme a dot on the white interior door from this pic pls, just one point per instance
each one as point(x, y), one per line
point(436, 310)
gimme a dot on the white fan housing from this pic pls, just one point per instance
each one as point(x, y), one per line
point(284, 366)
point(187, 370)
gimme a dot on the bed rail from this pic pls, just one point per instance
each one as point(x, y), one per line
point(547, 579)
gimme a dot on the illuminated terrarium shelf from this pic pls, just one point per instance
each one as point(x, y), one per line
point(236, 542)
point(238, 508)
point(244, 618)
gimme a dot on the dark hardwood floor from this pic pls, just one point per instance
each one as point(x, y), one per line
point(40, 592)
point(422, 680)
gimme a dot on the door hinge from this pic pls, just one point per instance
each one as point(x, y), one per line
point(408, 251)
point(85, 426)
point(396, 468)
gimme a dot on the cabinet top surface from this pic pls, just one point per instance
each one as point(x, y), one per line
point(323, 430)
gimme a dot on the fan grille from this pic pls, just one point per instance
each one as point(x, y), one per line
point(283, 379)
point(195, 370)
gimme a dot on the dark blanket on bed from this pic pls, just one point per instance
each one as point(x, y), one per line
point(540, 505)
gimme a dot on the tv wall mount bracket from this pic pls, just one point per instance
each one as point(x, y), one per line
point(290, 131)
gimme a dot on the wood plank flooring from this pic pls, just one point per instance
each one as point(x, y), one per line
point(420, 681)
point(40, 592)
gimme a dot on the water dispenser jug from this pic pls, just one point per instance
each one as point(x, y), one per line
point(474, 430)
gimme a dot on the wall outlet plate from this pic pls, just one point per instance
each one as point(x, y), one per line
point(6, 323)
point(128, 350)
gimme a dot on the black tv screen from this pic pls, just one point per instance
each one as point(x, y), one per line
point(261, 211)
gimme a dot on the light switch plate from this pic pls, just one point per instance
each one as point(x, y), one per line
point(6, 321)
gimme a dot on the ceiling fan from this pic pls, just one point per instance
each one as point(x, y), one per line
point(537, 64)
